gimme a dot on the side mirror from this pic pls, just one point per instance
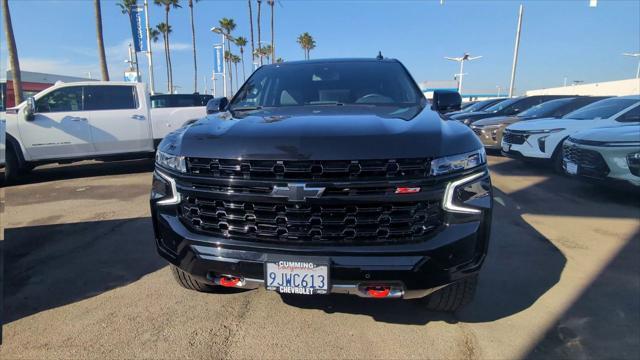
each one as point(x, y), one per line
point(30, 109)
point(446, 101)
point(217, 105)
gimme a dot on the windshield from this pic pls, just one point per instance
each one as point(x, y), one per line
point(546, 108)
point(368, 83)
point(602, 109)
point(501, 105)
point(477, 106)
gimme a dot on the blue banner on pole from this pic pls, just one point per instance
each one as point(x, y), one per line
point(136, 16)
point(218, 61)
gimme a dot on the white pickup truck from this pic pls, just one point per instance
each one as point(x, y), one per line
point(88, 120)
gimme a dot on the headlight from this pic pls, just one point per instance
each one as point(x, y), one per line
point(468, 195)
point(545, 131)
point(449, 164)
point(633, 160)
point(164, 190)
point(171, 162)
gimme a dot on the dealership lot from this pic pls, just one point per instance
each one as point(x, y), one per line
point(562, 279)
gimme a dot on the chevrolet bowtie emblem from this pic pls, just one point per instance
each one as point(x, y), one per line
point(297, 192)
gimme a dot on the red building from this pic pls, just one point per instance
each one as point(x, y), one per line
point(32, 83)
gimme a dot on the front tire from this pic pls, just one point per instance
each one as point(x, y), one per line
point(187, 281)
point(12, 170)
point(453, 296)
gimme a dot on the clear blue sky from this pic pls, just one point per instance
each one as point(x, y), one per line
point(559, 38)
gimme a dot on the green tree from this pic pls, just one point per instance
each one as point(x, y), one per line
point(241, 42)
point(193, 42)
point(273, 45)
point(165, 30)
point(307, 43)
point(253, 48)
point(168, 5)
point(14, 63)
point(235, 59)
point(227, 58)
point(258, 20)
point(101, 55)
point(228, 25)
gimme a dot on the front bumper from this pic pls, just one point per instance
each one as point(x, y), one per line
point(490, 136)
point(411, 270)
point(610, 165)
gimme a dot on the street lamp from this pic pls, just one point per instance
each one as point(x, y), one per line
point(225, 37)
point(461, 60)
point(636, 55)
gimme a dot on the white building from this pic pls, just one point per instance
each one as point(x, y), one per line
point(607, 88)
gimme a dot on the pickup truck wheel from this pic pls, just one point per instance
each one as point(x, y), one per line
point(188, 282)
point(454, 296)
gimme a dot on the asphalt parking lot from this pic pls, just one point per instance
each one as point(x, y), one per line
point(83, 280)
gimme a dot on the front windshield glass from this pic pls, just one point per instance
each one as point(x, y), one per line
point(362, 83)
point(477, 106)
point(501, 105)
point(546, 108)
point(602, 109)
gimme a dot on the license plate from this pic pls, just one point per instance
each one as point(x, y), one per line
point(572, 168)
point(506, 147)
point(297, 276)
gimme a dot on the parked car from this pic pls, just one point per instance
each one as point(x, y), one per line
point(505, 108)
point(86, 120)
point(326, 176)
point(541, 139)
point(490, 130)
point(477, 106)
point(465, 105)
point(609, 153)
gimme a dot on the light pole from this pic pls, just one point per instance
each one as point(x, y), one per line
point(225, 37)
point(636, 55)
point(515, 52)
point(149, 54)
point(461, 60)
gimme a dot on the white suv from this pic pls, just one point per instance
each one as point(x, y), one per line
point(541, 139)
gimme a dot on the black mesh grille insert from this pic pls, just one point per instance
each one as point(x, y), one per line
point(590, 162)
point(514, 138)
point(352, 224)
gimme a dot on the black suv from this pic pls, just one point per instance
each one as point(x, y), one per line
point(326, 176)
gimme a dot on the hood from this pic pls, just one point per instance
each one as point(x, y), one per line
point(626, 133)
point(321, 133)
point(498, 120)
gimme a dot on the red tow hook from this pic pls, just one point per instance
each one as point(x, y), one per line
point(229, 281)
point(378, 291)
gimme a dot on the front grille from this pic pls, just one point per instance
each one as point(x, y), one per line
point(590, 162)
point(514, 138)
point(313, 224)
point(477, 130)
point(309, 169)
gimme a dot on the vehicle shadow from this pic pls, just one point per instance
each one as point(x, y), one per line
point(506, 285)
point(83, 170)
point(603, 321)
point(53, 265)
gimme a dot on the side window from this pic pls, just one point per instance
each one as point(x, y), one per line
point(65, 99)
point(109, 97)
point(632, 115)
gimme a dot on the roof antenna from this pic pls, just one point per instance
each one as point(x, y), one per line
point(379, 57)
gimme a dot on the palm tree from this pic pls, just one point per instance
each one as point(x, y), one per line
point(193, 41)
point(259, 39)
point(227, 58)
point(267, 50)
point(253, 48)
point(101, 55)
point(228, 25)
point(307, 43)
point(168, 4)
point(273, 46)
point(165, 30)
point(125, 7)
point(241, 42)
point(279, 60)
point(13, 53)
point(236, 60)
point(154, 34)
